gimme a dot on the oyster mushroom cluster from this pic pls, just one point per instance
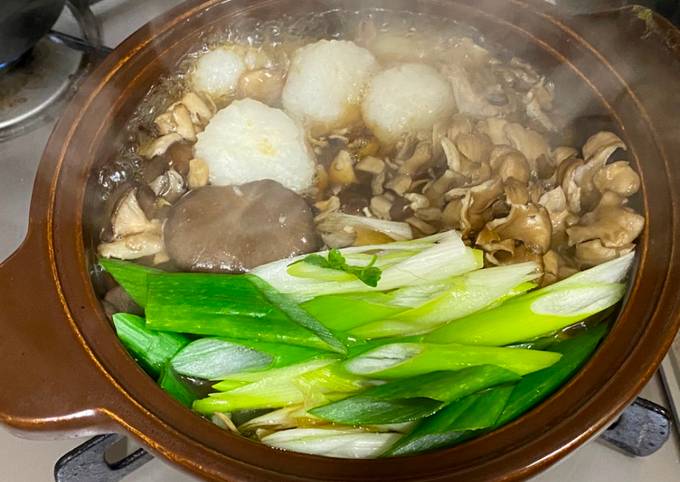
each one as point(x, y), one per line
point(500, 184)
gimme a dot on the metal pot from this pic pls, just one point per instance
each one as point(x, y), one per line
point(23, 23)
point(63, 372)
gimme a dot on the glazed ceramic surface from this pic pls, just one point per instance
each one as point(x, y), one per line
point(63, 371)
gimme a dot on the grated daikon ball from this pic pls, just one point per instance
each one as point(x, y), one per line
point(326, 83)
point(217, 72)
point(406, 99)
point(249, 141)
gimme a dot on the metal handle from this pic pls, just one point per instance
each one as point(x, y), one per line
point(641, 430)
point(88, 462)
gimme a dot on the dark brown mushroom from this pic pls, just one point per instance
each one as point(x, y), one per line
point(233, 229)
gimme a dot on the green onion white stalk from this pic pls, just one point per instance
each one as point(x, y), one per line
point(306, 383)
point(541, 312)
point(432, 259)
point(346, 443)
point(435, 304)
point(401, 360)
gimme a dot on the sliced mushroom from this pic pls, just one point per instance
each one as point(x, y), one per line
point(405, 147)
point(169, 186)
point(429, 215)
point(459, 124)
point(475, 173)
point(264, 85)
point(498, 153)
point(129, 218)
point(611, 222)
point(602, 145)
point(201, 110)
point(527, 223)
point(516, 192)
point(232, 229)
point(381, 207)
point(165, 123)
point(371, 164)
point(591, 253)
point(476, 147)
point(555, 268)
point(199, 174)
point(417, 201)
point(436, 190)
point(513, 165)
point(134, 246)
point(159, 146)
point(425, 228)
point(327, 207)
point(399, 184)
point(530, 143)
point(477, 203)
point(566, 175)
point(341, 171)
point(496, 250)
point(556, 203)
point(563, 153)
point(617, 177)
point(494, 127)
point(419, 161)
point(452, 216)
point(597, 151)
point(183, 122)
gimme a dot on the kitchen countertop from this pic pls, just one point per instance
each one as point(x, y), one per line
point(30, 461)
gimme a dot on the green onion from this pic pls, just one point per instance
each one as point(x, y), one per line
point(541, 312)
point(449, 300)
point(303, 383)
point(298, 315)
point(536, 387)
point(344, 312)
point(413, 398)
point(345, 443)
point(233, 306)
point(529, 316)
point(151, 348)
point(213, 359)
point(400, 360)
point(454, 422)
point(216, 358)
point(170, 382)
point(131, 276)
point(438, 257)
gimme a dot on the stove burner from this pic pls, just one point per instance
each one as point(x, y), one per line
point(10, 64)
point(33, 86)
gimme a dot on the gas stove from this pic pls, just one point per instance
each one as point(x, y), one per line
point(32, 94)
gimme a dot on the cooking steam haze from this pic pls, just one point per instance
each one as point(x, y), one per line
point(574, 99)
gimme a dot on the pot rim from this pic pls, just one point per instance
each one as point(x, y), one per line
point(594, 396)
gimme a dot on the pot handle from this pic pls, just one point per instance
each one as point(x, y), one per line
point(49, 383)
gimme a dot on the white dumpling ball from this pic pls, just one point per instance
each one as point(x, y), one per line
point(250, 141)
point(326, 83)
point(406, 99)
point(218, 71)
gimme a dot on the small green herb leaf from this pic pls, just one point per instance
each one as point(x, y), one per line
point(369, 275)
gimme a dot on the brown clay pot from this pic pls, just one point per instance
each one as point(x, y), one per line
point(63, 372)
